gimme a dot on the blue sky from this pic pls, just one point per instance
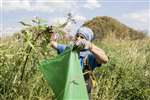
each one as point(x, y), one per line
point(133, 13)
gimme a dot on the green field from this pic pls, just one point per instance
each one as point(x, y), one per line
point(125, 77)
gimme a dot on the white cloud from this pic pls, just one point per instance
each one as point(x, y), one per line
point(25, 5)
point(8, 31)
point(79, 18)
point(140, 16)
point(70, 27)
point(91, 4)
point(38, 5)
point(62, 20)
point(17, 4)
point(138, 20)
point(59, 20)
point(0, 1)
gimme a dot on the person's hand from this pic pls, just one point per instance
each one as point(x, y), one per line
point(54, 36)
point(83, 44)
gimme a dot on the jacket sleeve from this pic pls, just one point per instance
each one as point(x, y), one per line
point(61, 48)
point(92, 61)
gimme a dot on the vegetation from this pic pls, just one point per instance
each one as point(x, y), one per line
point(125, 77)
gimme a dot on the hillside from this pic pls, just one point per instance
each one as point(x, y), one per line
point(104, 26)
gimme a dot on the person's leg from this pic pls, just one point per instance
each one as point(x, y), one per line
point(89, 86)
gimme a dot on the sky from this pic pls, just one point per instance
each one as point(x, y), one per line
point(133, 13)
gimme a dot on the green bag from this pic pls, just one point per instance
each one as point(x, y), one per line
point(65, 77)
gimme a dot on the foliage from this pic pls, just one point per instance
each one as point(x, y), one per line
point(19, 59)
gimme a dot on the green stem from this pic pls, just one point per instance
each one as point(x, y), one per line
point(27, 57)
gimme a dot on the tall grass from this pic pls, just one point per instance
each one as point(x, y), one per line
point(125, 77)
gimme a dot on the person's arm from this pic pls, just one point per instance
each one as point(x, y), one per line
point(100, 55)
point(53, 40)
point(53, 44)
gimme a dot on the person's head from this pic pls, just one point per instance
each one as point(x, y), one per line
point(84, 33)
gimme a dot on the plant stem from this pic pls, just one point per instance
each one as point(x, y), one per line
point(25, 63)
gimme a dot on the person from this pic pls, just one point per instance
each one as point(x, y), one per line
point(91, 56)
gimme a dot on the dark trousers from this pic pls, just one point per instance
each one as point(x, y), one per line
point(89, 85)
